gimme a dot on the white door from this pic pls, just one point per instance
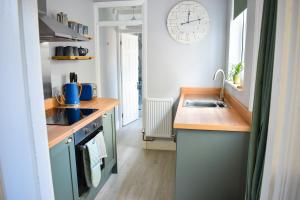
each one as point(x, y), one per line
point(129, 63)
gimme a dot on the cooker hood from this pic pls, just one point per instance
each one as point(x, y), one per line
point(53, 31)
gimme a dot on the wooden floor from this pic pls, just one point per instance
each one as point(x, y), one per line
point(143, 174)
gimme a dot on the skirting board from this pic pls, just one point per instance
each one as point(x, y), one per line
point(160, 145)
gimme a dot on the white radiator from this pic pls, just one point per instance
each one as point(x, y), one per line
point(158, 117)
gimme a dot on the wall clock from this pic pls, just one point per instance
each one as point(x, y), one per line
point(188, 22)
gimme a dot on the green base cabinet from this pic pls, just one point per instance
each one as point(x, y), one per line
point(109, 131)
point(211, 165)
point(63, 166)
point(63, 163)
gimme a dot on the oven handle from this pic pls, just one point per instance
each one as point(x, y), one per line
point(83, 146)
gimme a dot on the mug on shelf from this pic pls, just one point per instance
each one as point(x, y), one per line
point(59, 51)
point(68, 51)
point(82, 51)
point(75, 51)
point(72, 25)
point(80, 29)
point(85, 30)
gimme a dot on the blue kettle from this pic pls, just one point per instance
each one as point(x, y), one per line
point(72, 92)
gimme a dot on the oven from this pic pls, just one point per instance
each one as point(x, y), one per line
point(81, 137)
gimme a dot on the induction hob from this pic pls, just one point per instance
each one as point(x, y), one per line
point(67, 116)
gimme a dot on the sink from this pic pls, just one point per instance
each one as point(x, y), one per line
point(204, 103)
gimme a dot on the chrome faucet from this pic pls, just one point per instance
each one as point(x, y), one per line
point(222, 89)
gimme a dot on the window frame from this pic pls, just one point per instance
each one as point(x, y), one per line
point(238, 24)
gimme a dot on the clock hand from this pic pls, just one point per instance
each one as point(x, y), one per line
point(196, 20)
point(188, 19)
point(184, 23)
point(191, 21)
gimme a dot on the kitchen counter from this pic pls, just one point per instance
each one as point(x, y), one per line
point(235, 117)
point(58, 133)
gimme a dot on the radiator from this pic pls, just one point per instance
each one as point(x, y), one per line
point(158, 117)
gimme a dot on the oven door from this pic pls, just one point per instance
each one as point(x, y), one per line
point(80, 148)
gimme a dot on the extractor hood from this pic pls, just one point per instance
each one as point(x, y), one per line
point(53, 31)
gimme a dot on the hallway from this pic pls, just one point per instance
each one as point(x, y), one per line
point(143, 174)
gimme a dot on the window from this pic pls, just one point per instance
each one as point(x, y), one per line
point(237, 49)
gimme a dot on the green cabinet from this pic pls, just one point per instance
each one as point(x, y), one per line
point(63, 166)
point(63, 163)
point(110, 163)
point(109, 131)
point(211, 165)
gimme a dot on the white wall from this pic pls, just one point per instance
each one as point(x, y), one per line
point(254, 12)
point(109, 62)
point(82, 12)
point(172, 65)
point(109, 65)
point(24, 154)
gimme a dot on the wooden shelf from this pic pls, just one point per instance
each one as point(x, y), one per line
point(72, 57)
point(88, 37)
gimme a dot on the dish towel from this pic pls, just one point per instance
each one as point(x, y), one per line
point(101, 146)
point(92, 163)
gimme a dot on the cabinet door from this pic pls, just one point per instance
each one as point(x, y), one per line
point(63, 166)
point(211, 165)
point(110, 138)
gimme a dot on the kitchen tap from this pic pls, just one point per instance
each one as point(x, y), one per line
point(222, 89)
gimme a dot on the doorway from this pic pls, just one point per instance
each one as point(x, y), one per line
point(114, 22)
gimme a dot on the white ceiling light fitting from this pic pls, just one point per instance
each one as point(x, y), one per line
point(133, 17)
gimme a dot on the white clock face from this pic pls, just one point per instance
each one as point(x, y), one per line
point(188, 22)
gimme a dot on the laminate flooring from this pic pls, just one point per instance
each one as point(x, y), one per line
point(142, 174)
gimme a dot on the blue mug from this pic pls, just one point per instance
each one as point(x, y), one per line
point(72, 92)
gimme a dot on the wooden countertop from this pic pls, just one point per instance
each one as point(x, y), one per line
point(58, 133)
point(234, 118)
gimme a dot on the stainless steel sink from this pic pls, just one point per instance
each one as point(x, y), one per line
point(204, 103)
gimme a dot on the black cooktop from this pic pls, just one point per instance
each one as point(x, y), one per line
point(66, 116)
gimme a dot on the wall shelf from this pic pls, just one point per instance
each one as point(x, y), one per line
point(89, 37)
point(72, 57)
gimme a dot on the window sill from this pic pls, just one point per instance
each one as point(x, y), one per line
point(234, 86)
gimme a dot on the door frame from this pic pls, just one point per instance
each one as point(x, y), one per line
point(123, 3)
point(26, 74)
